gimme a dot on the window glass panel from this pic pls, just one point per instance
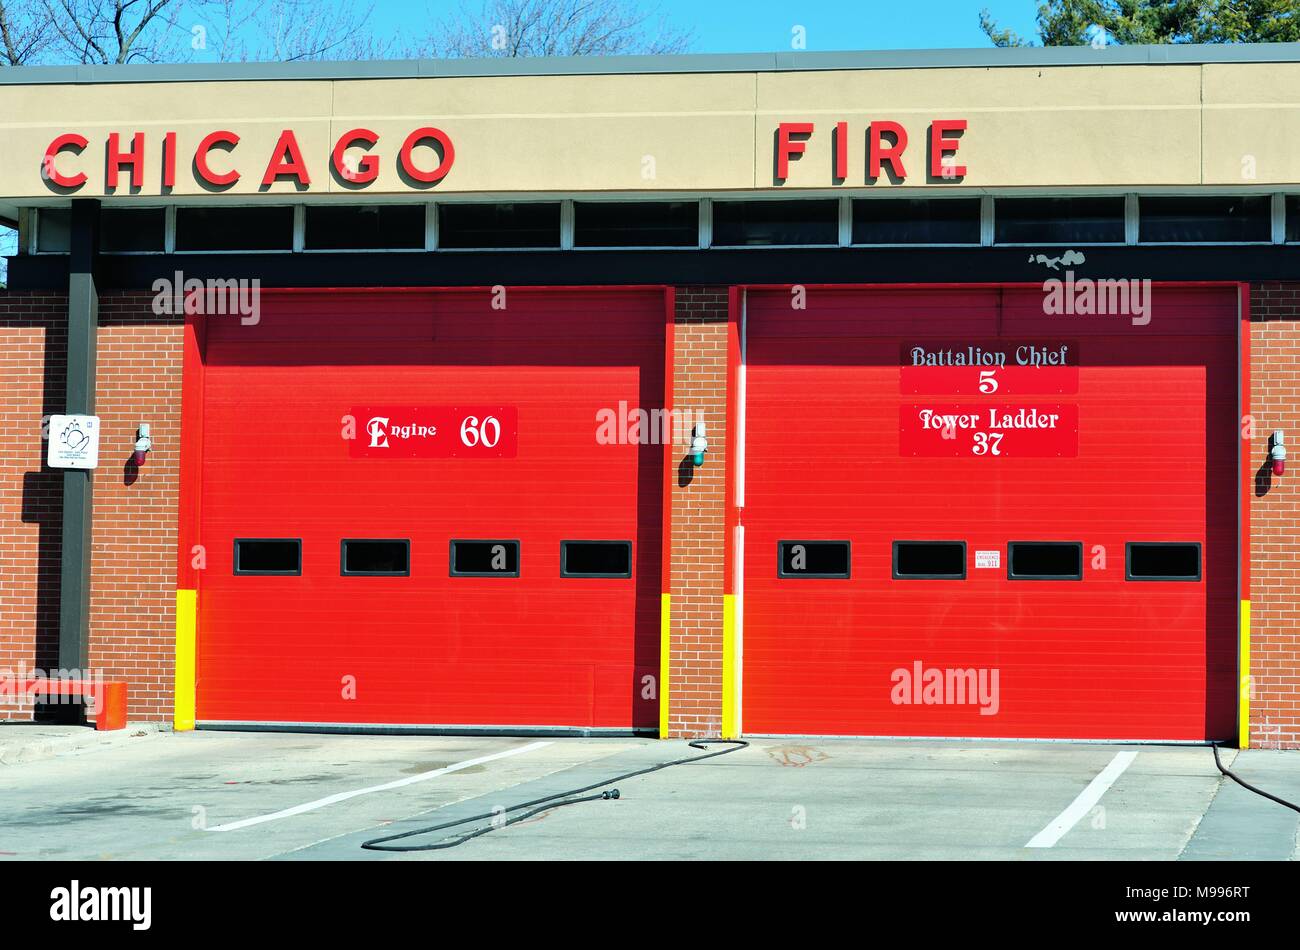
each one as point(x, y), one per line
point(268, 556)
point(814, 559)
point(1045, 560)
point(1058, 220)
point(348, 227)
point(1158, 561)
point(1293, 217)
point(234, 229)
point(54, 230)
point(132, 229)
point(522, 224)
point(376, 556)
point(636, 224)
point(1216, 219)
point(916, 221)
point(484, 559)
point(929, 560)
point(595, 558)
point(756, 223)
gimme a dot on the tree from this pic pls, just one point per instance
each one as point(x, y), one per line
point(1083, 22)
point(287, 31)
point(553, 28)
point(114, 31)
point(24, 32)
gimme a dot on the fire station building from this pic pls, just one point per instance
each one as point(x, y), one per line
point(925, 394)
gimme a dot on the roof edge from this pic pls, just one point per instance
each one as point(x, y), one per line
point(993, 57)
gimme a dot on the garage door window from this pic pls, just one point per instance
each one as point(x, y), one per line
point(1045, 560)
point(813, 559)
point(371, 557)
point(1162, 561)
point(484, 559)
point(268, 556)
point(595, 558)
point(930, 560)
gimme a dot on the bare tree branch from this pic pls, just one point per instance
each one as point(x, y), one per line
point(113, 31)
point(552, 28)
point(24, 31)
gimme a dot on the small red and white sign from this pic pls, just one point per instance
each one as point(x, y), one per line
point(432, 432)
point(987, 559)
point(980, 430)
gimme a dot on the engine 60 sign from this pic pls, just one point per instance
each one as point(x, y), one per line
point(432, 432)
point(976, 430)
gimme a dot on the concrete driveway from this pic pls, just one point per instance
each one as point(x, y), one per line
point(212, 795)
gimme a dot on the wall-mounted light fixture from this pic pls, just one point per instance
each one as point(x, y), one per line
point(699, 445)
point(1278, 453)
point(143, 444)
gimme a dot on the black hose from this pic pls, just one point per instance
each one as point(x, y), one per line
point(538, 805)
point(1244, 784)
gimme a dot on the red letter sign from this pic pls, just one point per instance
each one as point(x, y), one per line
point(71, 140)
point(294, 167)
point(841, 135)
point(940, 145)
point(368, 168)
point(169, 160)
point(878, 153)
point(785, 147)
point(444, 144)
point(201, 158)
point(118, 158)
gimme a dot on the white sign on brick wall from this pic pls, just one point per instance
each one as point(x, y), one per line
point(74, 442)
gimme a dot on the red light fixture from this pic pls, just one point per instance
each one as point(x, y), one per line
point(1278, 454)
point(143, 444)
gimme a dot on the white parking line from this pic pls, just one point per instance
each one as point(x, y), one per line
point(344, 796)
point(1089, 797)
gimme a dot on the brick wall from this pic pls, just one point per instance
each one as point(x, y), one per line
point(1275, 518)
point(132, 622)
point(698, 516)
point(33, 354)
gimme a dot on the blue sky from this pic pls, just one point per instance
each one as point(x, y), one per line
point(746, 26)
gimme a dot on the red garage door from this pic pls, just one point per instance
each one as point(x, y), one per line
point(409, 516)
point(968, 517)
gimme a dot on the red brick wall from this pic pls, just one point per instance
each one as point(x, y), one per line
point(698, 516)
point(133, 569)
point(1275, 518)
point(33, 348)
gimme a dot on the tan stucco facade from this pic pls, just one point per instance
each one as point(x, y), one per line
point(1104, 126)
